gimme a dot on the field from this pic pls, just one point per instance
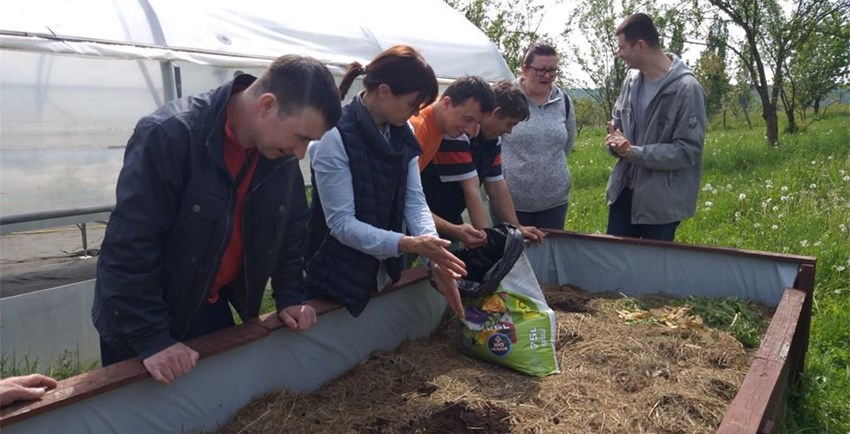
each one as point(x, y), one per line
point(794, 198)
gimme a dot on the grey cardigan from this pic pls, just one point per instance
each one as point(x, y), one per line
point(666, 148)
point(534, 155)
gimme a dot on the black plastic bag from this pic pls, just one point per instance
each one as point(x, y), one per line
point(488, 264)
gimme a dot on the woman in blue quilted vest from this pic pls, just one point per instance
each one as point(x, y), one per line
point(354, 246)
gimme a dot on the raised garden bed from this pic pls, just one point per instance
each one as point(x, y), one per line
point(624, 370)
point(257, 357)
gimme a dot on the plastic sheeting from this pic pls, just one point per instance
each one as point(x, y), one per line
point(77, 74)
point(599, 266)
point(219, 386)
point(336, 32)
point(48, 325)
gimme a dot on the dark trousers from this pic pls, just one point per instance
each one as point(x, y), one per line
point(552, 218)
point(210, 318)
point(620, 221)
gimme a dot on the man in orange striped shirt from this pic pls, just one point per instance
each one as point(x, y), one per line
point(454, 117)
point(461, 159)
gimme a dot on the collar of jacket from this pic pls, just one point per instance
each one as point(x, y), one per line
point(215, 141)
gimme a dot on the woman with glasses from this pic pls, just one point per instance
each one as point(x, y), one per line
point(534, 154)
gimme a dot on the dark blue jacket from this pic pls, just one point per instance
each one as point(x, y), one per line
point(379, 174)
point(173, 219)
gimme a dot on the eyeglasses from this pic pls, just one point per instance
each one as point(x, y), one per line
point(543, 71)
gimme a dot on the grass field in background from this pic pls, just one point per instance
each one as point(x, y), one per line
point(794, 198)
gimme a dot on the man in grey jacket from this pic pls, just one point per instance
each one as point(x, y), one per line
point(657, 134)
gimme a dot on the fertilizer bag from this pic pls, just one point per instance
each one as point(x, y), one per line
point(507, 318)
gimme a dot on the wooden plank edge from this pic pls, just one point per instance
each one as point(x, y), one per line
point(756, 407)
point(805, 282)
point(104, 379)
point(784, 325)
point(757, 404)
point(271, 322)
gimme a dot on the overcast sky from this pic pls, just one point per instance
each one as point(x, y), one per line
point(556, 14)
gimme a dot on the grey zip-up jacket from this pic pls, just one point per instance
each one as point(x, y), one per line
point(666, 148)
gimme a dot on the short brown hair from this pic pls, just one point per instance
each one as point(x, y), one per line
point(298, 82)
point(471, 86)
point(538, 49)
point(511, 101)
point(638, 27)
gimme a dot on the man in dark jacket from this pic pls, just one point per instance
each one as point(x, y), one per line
point(210, 205)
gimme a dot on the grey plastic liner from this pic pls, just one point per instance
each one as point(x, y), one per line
point(598, 266)
point(219, 386)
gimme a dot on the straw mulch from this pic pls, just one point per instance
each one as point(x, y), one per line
point(616, 377)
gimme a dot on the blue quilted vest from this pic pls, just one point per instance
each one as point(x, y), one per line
point(379, 174)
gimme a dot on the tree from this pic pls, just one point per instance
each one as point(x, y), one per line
point(596, 53)
point(820, 64)
point(741, 94)
point(512, 25)
point(672, 22)
point(588, 113)
point(710, 69)
point(596, 20)
point(770, 36)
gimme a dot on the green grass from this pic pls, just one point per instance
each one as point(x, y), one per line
point(66, 365)
point(745, 321)
point(794, 198)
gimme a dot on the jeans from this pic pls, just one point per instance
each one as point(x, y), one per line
point(210, 318)
point(620, 221)
point(552, 218)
